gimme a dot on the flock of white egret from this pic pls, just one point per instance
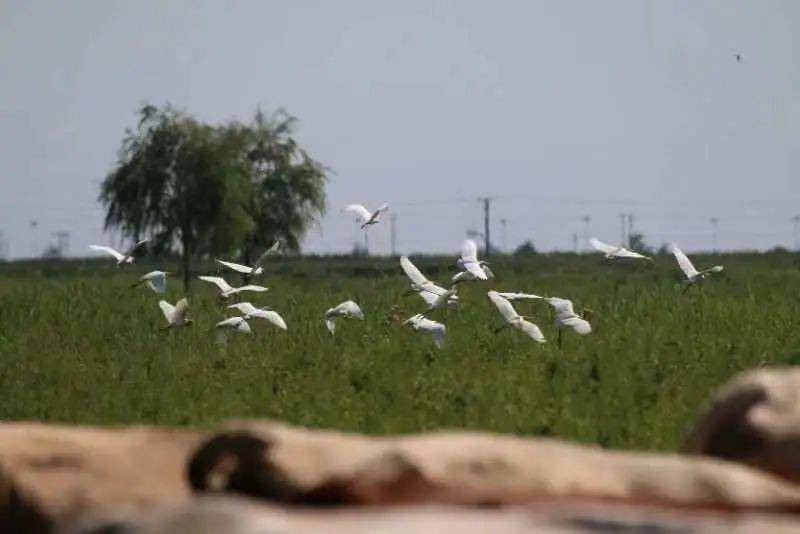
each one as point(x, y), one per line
point(471, 268)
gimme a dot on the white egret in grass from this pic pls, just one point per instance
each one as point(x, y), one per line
point(177, 315)
point(251, 312)
point(519, 296)
point(121, 258)
point(422, 324)
point(257, 268)
point(155, 280)
point(611, 252)
point(567, 318)
point(474, 269)
point(513, 319)
point(366, 217)
point(226, 290)
point(347, 309)
point(231, 324)
point(692, 275)
point(423, 287)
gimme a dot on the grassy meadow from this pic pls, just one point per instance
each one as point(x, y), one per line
point(78, 345)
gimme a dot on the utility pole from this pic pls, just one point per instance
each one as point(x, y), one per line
point(487, 239)
point(630, 228)
point(503, 222)
point(587, 219)
point(34, 226)
point(714, 222)
point(393, 221)
point(575, 242)
point(623, 238)
point(795, 223)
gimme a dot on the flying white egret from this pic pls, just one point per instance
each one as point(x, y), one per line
point(423, 287)
point(519, 296)
point(611, 252)
point(155, 280)
point(422, 324)
point(251, 312)
point(347, 309)
point(237, 324)
point(226, 290)
point(177, 315)
point(692, 275)
point(514, 319)
point(567, 318)
point(474, 269)
point(257, 268)
point(122, 259)
point(367, 217)
point(439, 300)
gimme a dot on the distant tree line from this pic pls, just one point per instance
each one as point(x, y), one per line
point(199, 189)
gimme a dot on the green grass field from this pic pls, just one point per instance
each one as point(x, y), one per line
point(78, 345)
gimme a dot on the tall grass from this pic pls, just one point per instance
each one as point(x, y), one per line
point(78, 345)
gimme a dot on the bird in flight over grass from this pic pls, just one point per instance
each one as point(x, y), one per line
point(231, 324)
point(122, 259)
point(422, 324)
point(155, 280)
point(513, 319)
point(473, 268)
point(251, 312)
point(366, 217)
point(226, 290)
point(347, 309)
point(567, 318)
point(257, 267)
point(177, 315)
point(611, 252)
point(423, 287)
point(692, 275)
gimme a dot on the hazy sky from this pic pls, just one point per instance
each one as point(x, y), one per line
point(556, 109)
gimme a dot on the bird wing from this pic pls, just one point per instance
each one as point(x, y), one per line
point(257, 289)
point(383, 207)
point(167, 309)
point(531, 329)
point(627, 253)
point(351, 309)
point(469, 257)
point(414, 274)
point(157, 281)
point(230, 322)
point(136, 245)
point(580, 326)
point(714, 269)
point(235, 266)
point(271, 251)
point(683, 262)
point(461, 277)
point(414, 320)
point(108, 250)
point(181, 308)
point(245, 307)
point(217, 281)
point(505, 307)
point(362, 212)
point(469, 251)
point(563, 307)
point(271, 316)
point(330, 324)
point(519, 296)
point(243, 326)
point(429, 297)
point(605, 248)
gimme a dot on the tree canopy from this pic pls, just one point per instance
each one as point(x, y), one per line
point(202, 189)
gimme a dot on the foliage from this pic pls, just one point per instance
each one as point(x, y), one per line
point(212, 189)
point(77, 345)
point(525, 249)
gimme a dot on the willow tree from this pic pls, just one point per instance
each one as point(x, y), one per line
point(202, 189)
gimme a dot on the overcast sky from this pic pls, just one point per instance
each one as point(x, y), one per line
point(556, 109)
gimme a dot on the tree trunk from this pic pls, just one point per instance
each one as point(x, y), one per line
point(185, 257)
